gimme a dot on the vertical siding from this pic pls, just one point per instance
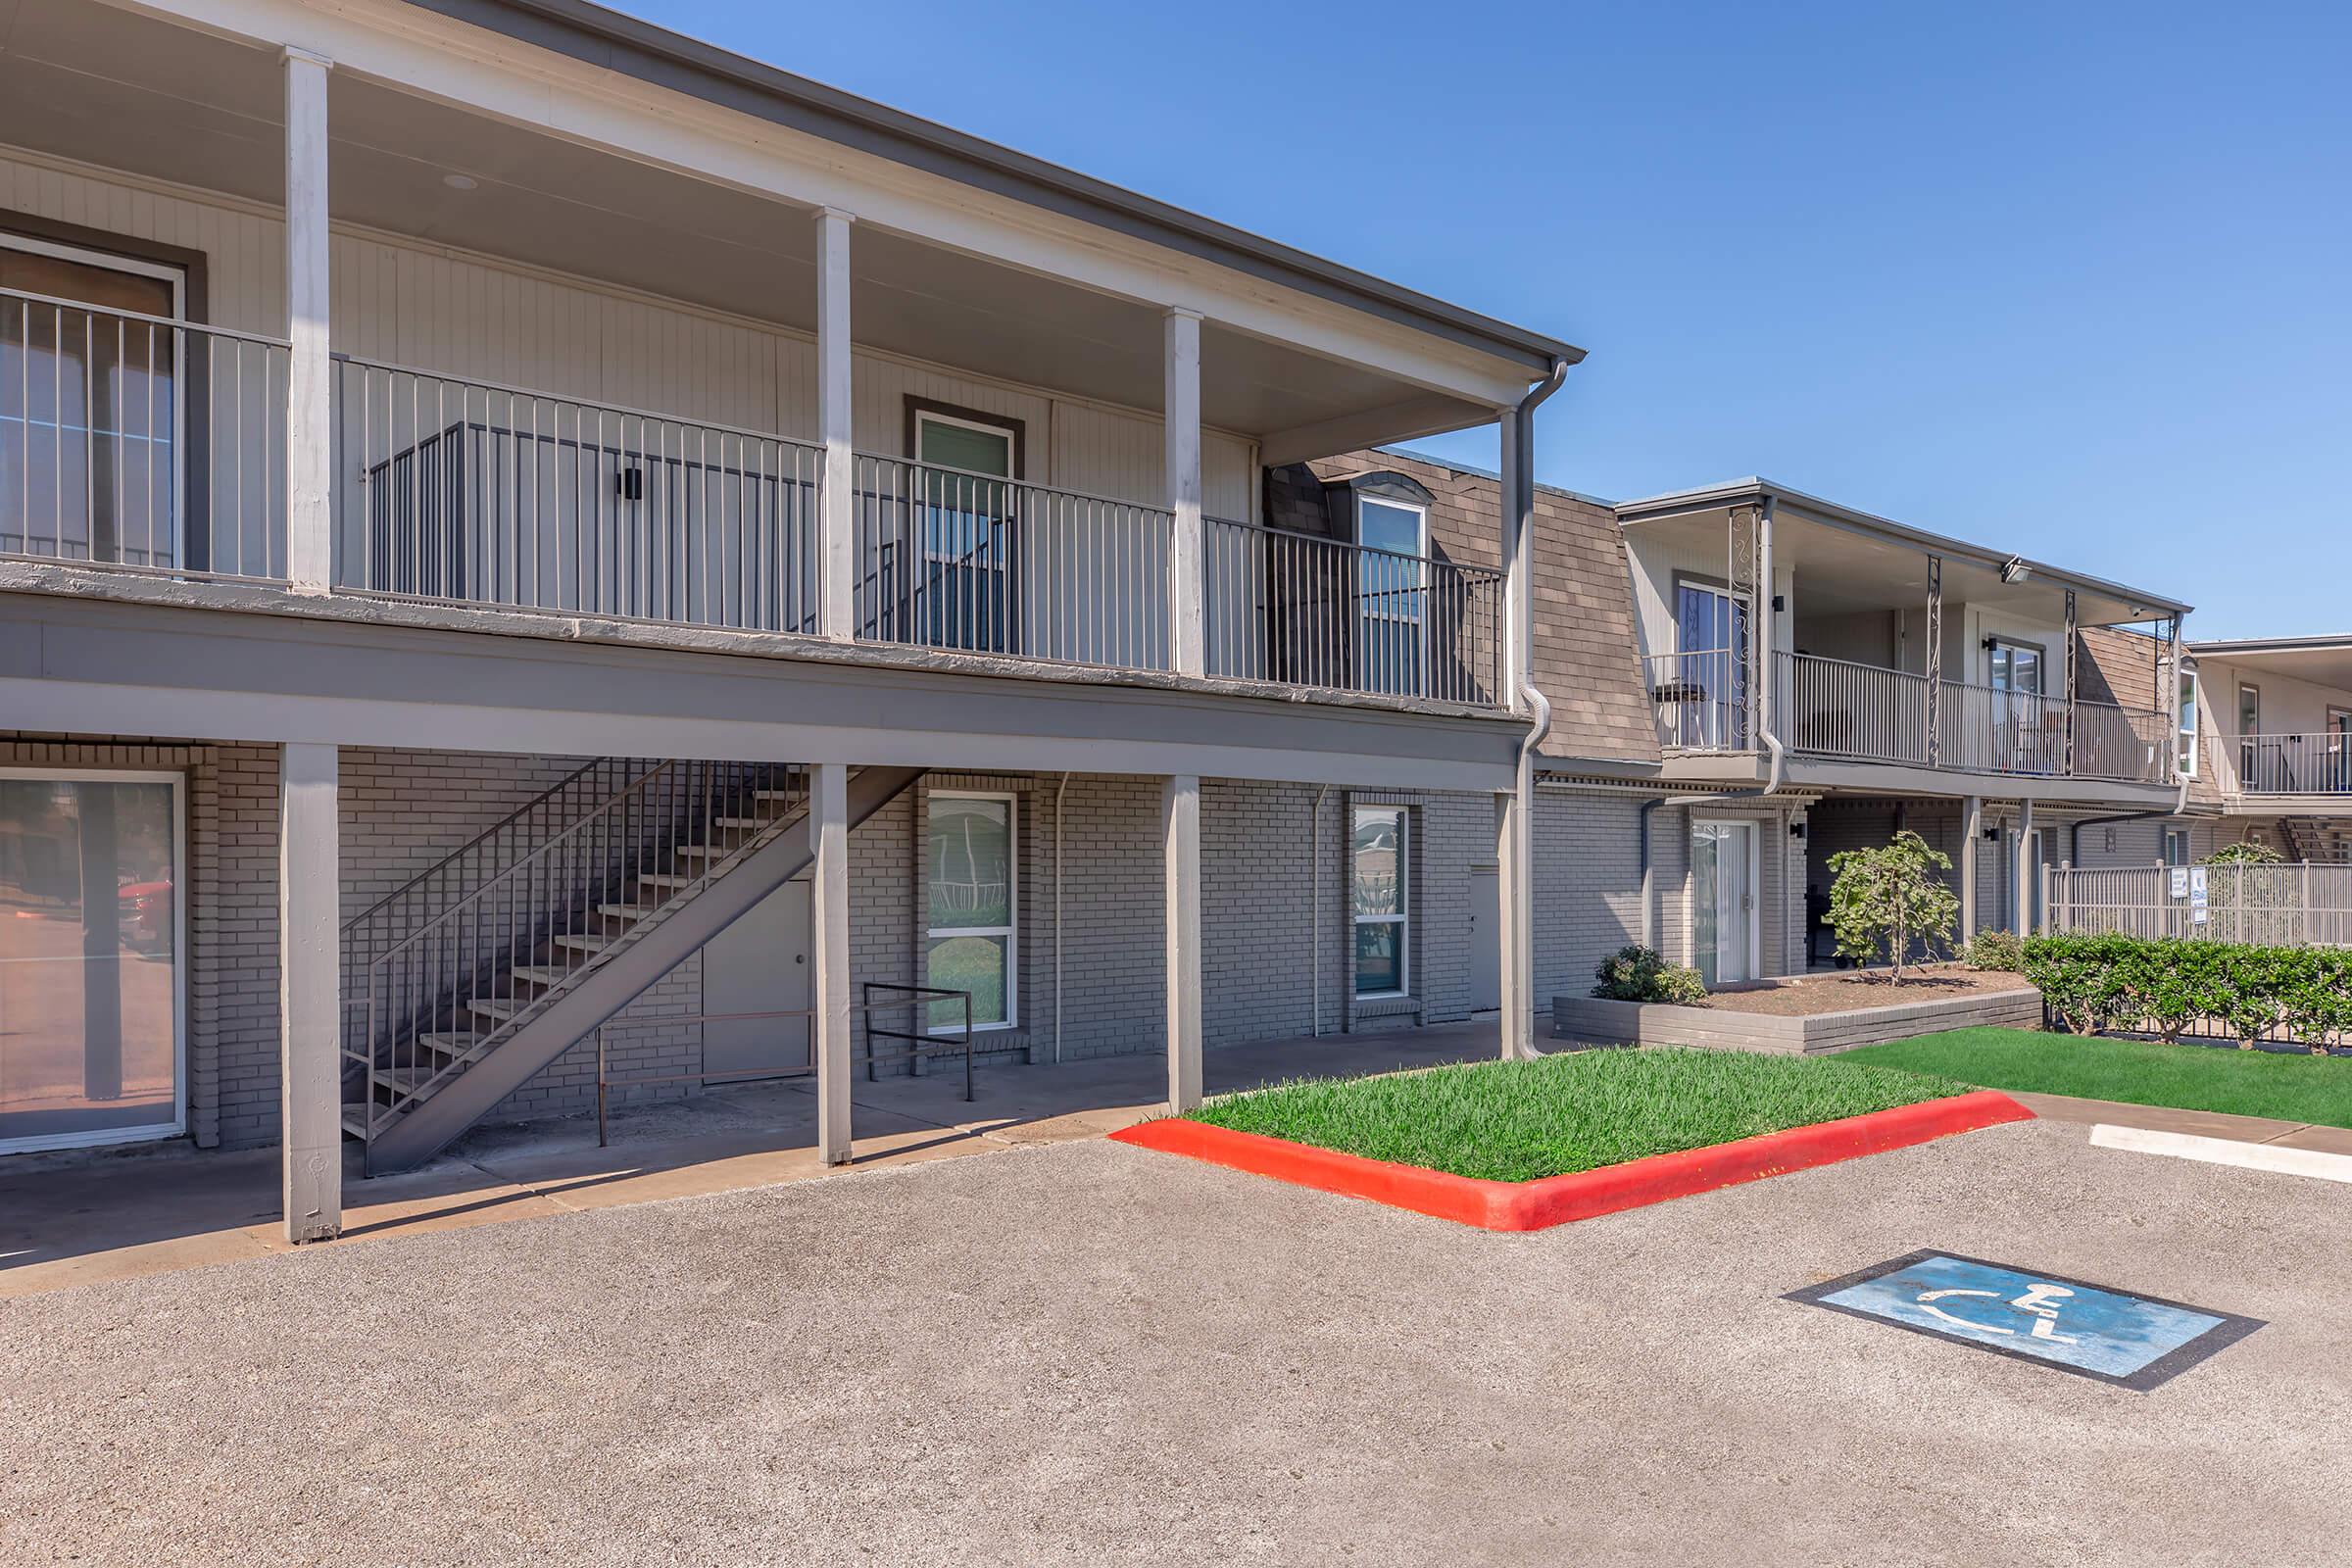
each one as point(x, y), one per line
point(472, 317)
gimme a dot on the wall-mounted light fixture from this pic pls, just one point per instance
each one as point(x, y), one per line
point(2015, 571)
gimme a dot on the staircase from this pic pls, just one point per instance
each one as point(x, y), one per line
point(481, 971)
point(2324, 840)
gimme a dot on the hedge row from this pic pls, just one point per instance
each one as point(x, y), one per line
point(2166, 986)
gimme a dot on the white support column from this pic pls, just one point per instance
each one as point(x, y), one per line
point(309, 416)
point(1181, 419)
point(836, 432)
point(1513, 841)
point(310, 1003)
point(829, 922)
point(2023, 872)
point(1513, 854)
point(1972, 845)
point(1180, 840)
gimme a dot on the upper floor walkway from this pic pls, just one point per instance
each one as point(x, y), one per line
point(589, 332)
point(1866, 652)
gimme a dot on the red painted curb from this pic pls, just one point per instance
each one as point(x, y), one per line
point(1557, 1199)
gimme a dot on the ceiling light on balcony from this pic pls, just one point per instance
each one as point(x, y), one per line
point(460, 181)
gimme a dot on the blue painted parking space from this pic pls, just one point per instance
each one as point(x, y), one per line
point(2116, 1335)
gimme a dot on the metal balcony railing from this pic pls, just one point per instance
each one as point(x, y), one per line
point(973, 562)
point(1700, 698)
point(1835, 708)
point(1307, 610)
point(2312, 763)
point(470, 492)
point(139, 442)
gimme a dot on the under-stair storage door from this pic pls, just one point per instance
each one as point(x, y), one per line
point(760, 964)
point(92, 1027)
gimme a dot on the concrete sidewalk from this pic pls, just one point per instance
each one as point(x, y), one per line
point(76, 1219)
point(1087, 1354)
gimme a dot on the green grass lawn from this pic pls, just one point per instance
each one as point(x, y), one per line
point(1515, 1122)
point(2139, 1072)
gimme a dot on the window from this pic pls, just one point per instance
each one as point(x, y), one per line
point(2175, 846)
point(89, 411)
point(966, 526)
point(2259, 765)
point(2189, 723)
point(1390, 539)
point(2014, 668)
point(972, 939)
point(1704, 698)
point(91, 950)
point(1378, 866)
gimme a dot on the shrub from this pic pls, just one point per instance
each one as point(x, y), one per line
point(2247, 853)
point(2094, 982)
point(1636, 973)
point(1995, 949)
point(1890, 897)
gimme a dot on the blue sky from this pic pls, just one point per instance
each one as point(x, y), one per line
point(2073, 279)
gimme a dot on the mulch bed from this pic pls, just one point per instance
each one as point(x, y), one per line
point(1841, 993)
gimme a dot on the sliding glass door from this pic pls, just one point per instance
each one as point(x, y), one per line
point(91, 1032)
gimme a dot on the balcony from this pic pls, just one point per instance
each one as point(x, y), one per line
point(1840, 711)
point(2311, 766)
point(154, 446)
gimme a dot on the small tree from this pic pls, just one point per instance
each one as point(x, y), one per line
point(1888, 897)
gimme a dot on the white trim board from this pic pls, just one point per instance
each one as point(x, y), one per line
point(2226, 1152)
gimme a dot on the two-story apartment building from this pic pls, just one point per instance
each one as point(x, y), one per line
point(513, 521)
point(1819, 677)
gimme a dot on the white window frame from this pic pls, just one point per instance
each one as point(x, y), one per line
point(178, 1127)
point(1402, 919)
point(2187, 848)
point(177, 277)
point(1010, 932)
point(2186, 724)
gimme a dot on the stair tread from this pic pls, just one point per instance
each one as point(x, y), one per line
point(406, 1079)
point(583, 941)
point(495, 1006)
point(669, 879)
point(544, 974)
point(627, 911)
point(452, 1044)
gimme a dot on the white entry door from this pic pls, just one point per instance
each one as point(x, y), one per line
point(1486, 939)
point(1722, 901)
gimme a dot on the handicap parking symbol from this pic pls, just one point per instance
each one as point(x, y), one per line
point(2114, 1336)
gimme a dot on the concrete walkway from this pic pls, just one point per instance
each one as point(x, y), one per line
point(76, 1219)
point(2197, 1123)
point(1089, 1354)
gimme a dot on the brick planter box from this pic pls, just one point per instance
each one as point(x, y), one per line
point(1649, 1023)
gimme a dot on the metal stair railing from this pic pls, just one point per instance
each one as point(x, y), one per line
point(564, 895)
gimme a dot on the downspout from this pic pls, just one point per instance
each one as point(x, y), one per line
point(1525, 698)
point(2073, 834)
point(1058, 789)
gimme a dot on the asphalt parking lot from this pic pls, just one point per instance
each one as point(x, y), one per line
point(1089, 1351)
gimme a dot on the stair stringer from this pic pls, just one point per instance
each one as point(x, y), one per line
point(597, 993)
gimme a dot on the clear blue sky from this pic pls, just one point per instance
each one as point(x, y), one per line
point(2074, 279)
